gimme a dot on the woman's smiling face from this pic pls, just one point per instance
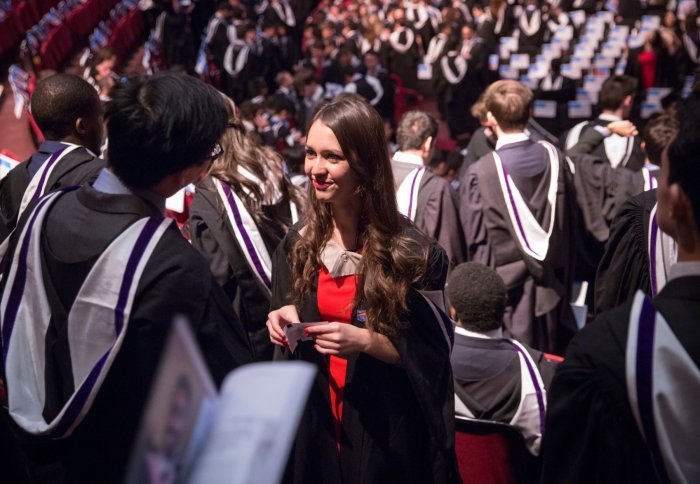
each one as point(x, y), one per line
point(327, 167)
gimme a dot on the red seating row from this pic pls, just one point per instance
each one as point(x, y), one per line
point(56, 48)
point(125, 33)
point(81, 20)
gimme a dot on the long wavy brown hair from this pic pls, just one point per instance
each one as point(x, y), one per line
point(240, 149)
point(391, 262)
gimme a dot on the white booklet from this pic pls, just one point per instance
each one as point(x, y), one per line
point(191, 434)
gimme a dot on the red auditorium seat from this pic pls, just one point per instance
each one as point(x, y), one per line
point(56, 48)
point(493, 453)
point(84, 19)
point(402, 97)
point(27, 15)
point(125, 33)
point(8, 32)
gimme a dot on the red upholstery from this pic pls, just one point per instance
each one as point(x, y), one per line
point(105, 6)
point(84, 19)
point(492, 453)
point(56, 48)
point(125, 33)
point(551, 357)
point(402, 96)
point(9, 35)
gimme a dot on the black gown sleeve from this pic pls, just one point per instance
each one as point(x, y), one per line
point(600, 188)
point(425, 356)
point(590, 433)
point(624, 268)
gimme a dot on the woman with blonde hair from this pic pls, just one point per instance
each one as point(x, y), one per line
point(382, 407)
point(239, 214)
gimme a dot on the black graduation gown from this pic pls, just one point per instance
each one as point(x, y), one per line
point(76, 168)
point(404, 64)
point(479, 145)
point(591, 435)
point(212, 235)
point(624, 267)
point(175, 281)
point(488, 377)
point(636, 156)
point(531, 44)
point(457, 90)
point(600, 190)
point(437, 215)
point(398, 420)
point(538, 311)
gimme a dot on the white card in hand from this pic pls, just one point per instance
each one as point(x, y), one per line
point(294, 332)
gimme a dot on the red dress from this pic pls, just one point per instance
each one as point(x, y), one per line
point(335, 298)
point(647, 63)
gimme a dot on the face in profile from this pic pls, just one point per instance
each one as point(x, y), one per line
point(328, 168)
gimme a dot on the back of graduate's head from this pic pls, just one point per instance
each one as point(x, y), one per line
point(417, 130)
point(67, 108)
point(477, 296)
point(658, 134)
point(161, 126)
point(617, 93)
point(508, 103)
point(679, 186)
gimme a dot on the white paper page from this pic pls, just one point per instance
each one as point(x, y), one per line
point(6, 164)
point(580, 62)
point(519, 61)
point(529, 82)
point(294, 332)
point(649, 108)
point(603, 61)
point(584, 50)
point(606, 16)
point(259, 412)
point(656, 94)
point(507, 72)
point(545, 109)
point(578, 109)
point(550, 51)
point(176, 203)
point(570, 71)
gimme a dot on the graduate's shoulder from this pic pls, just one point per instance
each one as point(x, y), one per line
point(602, 343)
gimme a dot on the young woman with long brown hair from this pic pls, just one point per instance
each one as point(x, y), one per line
point(382, 407)
point(239, 214)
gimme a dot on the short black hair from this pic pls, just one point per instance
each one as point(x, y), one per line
point(61, 99)
point(160, 125)
point(658, 134)
point(684, 153)
point(478, 295)
point(614, 91)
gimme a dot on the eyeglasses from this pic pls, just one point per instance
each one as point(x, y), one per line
point(216, 152)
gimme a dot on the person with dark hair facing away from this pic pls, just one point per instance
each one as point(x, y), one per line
point(516, 208)
point(618, 150)
point(382, 406)
point(70, 115)
point(601, 190)
point(424, 196)
point(110, 273)
point(623, 406)
point(629, 264)
point(615, 101)
point(495, 378)
point(245, 197)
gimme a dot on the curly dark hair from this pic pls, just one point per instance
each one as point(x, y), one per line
point(478, 295)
